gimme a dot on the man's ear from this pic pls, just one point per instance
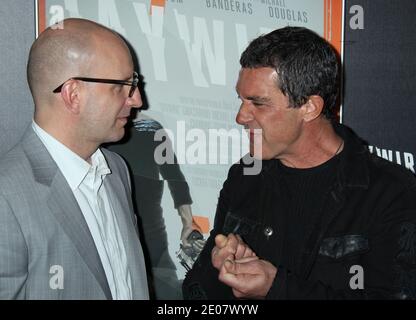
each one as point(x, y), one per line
point(313, 108)
point(70, 93)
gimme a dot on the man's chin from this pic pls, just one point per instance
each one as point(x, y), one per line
point(257, 153)
point(122, 121)
point(117, 136)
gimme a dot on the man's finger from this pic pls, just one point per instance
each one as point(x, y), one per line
point(243, 251)
point(227, 276)
point(232, 240)
point(248, 265)
point(247, 259)
point(214, 252)
point(218, 256)
point(225, 249)
point(221, 241)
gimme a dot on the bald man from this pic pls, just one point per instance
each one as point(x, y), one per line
point(67, 227)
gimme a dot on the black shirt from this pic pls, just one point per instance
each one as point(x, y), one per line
point(306, 190)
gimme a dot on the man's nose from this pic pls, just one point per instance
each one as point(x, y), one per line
point(244, 115)
point(135, 101)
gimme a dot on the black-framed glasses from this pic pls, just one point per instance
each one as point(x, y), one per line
point(133, 84)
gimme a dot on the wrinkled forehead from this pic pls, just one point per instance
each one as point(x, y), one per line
point(257, 76)
point(258, 83)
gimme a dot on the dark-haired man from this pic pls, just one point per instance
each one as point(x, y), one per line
point(324, 219)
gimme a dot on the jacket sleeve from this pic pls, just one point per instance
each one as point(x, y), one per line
point(389, 268)
point(13, 255)
point(201, 282)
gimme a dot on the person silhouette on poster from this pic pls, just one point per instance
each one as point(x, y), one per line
point(148, 180)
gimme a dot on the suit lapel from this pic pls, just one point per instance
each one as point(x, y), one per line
point(64, 206)
point(66, 210)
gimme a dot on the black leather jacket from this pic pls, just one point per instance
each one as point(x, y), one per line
point(362, 245)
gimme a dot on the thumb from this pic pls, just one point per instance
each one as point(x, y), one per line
point(220, 241)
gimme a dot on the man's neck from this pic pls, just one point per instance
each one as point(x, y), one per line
point(70, 140)
point(317, 144)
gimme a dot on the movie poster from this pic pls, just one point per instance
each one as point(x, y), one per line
point(188, 55)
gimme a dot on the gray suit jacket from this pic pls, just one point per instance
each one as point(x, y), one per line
point(46, 249)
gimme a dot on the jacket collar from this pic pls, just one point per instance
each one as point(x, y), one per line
point(354, 171)
point(43, 167)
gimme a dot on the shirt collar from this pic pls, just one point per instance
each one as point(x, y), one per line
point(72, 166)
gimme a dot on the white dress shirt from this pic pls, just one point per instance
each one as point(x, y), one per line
point(86, 182)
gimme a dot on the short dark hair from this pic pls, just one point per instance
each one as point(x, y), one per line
point(306, 65)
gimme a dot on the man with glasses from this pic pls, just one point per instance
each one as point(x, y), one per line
point(67, 227)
